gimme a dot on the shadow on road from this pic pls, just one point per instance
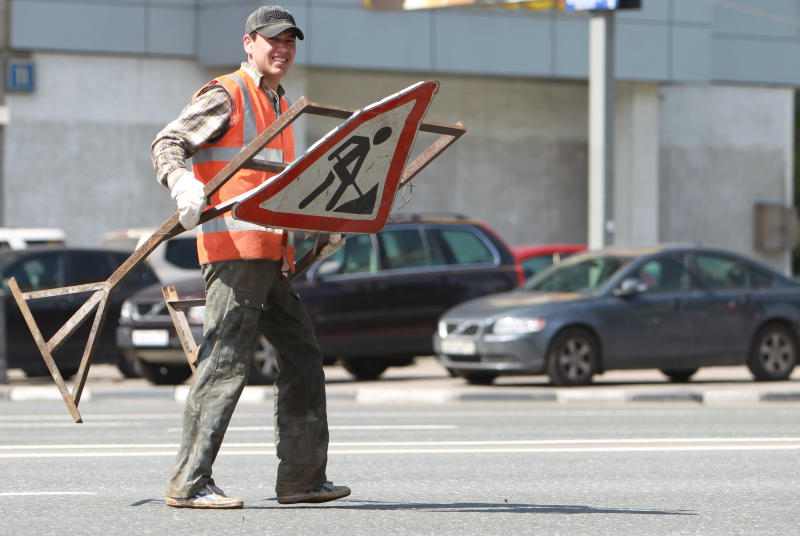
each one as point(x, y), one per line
point(468, 507)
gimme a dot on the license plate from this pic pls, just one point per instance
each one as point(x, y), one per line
point(150, 337)
point(458, 347)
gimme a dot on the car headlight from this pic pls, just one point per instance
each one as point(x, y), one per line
point(127, 311)
point(515, 325)
point(442, 329)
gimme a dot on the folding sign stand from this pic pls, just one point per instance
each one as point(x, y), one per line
point(101, 292)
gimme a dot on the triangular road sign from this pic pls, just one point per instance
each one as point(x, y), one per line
point(346, 182)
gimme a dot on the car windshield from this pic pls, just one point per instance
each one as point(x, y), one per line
point(578, 275)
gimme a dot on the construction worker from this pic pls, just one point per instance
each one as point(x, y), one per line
point(244, 265)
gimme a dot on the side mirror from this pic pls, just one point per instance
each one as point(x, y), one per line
point(630, 287)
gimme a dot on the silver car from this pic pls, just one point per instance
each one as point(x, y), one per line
point(671, 308)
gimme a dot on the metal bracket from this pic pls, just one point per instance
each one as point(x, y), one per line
point(101, 292)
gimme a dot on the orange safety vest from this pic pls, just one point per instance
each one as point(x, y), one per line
point(225, 238)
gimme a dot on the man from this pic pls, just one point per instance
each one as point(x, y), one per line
point(243, 265)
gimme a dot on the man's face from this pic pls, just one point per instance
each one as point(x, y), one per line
point(272, 56)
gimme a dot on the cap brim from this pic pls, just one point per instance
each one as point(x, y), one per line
point(274, 29)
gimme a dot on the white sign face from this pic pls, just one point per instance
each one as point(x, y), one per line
point(348, 180)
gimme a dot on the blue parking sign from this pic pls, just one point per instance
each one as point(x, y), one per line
point(19, 75)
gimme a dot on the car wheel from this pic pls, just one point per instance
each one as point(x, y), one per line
point(163, 374)
point(574, 358)
point(364, 368)
point(678, 375)
point(264, 369)
point(774, 353)
point(127, 368)
point(478, 378)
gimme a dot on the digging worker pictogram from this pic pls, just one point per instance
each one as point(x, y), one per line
point(243, 265)
point(346, 170)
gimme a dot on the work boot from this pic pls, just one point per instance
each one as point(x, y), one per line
point(326, 492)
point(209, 496)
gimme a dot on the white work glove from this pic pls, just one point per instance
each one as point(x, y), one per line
point(188, 194)
point(335, 241)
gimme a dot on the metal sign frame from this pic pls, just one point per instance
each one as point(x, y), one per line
point(97, 302)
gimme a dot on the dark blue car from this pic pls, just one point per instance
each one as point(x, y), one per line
point(671, 308)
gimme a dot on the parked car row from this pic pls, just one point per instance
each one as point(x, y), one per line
point(374, 303)
point(447, 286)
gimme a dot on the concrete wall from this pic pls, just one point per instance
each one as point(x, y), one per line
point(77, 152)
point(723, 148)
point(521, 166)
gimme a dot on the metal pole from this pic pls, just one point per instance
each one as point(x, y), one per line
point(3, 340)
point(601, 129)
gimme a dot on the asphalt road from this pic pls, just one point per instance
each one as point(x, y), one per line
point(491, 465)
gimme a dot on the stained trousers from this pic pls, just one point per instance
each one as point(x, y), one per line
point(245, 298)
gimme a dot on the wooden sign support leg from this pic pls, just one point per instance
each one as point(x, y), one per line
point(48, 358)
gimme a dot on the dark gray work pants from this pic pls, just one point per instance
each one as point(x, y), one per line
point(245, 298)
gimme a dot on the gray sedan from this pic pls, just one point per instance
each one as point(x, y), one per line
point(671, 308)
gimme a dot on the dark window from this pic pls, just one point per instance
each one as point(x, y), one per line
point(403, 248)
point(715, 271)
point(182, 252)
point(461, 246)
point(90, 267)
point(45, 271)
point(665, 274)
point(762, 279)
point(357, 255)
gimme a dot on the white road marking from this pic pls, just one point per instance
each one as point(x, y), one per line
point(694, 444)
point(40, 493)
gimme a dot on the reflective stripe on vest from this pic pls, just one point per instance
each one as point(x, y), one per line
point(225, 238)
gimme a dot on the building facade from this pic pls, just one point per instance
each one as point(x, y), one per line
point(704, 110)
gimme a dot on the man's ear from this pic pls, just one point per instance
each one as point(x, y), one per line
point(248, 44)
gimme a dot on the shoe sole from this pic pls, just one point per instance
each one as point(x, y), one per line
point(178, 503)
point(311, 498)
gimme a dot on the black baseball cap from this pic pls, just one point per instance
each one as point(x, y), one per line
point(269, 21)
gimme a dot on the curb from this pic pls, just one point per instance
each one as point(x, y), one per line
point(383, 395)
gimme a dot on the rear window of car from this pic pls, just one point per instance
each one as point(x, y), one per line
point(461, 246)
point(716, 271)
point(182, 252)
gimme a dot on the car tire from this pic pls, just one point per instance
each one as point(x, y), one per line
point(364, 368)
point(574, 357)
point(478, 378)
point(159, 374)
point(773, 354)
point(264, 369)
point(127, 368)
point(678, 375)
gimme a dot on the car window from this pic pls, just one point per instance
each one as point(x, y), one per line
point(716, 271)
point(36, 273)
point(356, 256)
point(403, 248)
point(533, 265)
point(762, 279)
point(182, 252)
point(664, 274)
point(578, 275)
point(459, 246)
point(90, 267)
